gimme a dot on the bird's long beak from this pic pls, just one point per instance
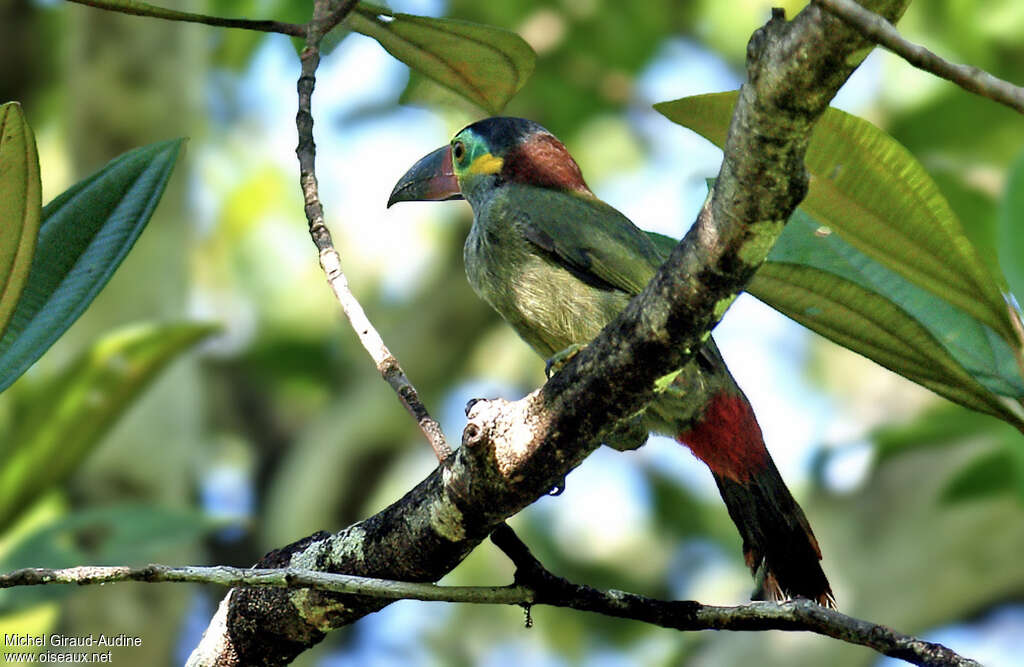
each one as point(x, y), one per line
point(430, 179)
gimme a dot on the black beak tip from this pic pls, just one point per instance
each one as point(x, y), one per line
point(398, 192)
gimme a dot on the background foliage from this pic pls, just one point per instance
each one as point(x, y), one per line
point(279, 426)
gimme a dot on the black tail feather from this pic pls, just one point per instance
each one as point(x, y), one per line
point(777, 539)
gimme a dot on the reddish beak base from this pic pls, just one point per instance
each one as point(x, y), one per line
point(430, 179)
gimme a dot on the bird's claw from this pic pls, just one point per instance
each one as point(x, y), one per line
point(560, 359)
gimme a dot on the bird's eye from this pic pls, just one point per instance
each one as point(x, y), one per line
point(458, 150)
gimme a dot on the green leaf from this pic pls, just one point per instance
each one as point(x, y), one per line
point(941, 425)
point(85, 234)
point(20, 205)
point(875, 260)
point(981, 352)
point(832, 289)
point(81, 405)
point(484, 64)
point(873, 326)
point(118, 534)
point(872, 192)
point(988, 475)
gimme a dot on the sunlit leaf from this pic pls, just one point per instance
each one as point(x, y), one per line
point(85, 234)
point(20, 206)
point(121, 534)
point(872, 192)
point(81, 404)
point(484, 64)
point(975, 346)
point(830, 288)
point(871, 325)
point(875, 260)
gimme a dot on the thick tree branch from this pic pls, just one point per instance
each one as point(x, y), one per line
point(883, 33)
point(534, 585)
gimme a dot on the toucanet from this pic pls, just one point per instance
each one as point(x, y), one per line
point(558, 264)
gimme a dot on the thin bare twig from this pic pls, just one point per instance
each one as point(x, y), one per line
point(152, 11)
point(269, 577)
point(533, 585)
point(686, 615)
point(968, 77)
point(324, 18)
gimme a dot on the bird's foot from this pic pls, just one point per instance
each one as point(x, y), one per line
point(561, 358)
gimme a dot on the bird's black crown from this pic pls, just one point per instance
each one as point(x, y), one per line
point(503, 132)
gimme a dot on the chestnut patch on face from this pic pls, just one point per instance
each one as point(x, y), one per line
point(543, 161)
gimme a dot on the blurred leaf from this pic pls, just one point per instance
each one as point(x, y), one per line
point(484, 64)
point(675, 510)
point(234, 49)
point(117, 535)
point(85, 234)
point(20, 205)
point(81, 404)
point(998, 470)
point(963, 127)
point(988, 475)
point(589, 66)
point(872, 192)
point(1011, 227)
point(940, 426)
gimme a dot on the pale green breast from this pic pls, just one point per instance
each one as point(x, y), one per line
point(548, 306)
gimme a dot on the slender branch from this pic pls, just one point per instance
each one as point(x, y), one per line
point(968, 77)
point(324, 18)
point(339, 9)
point(269, 578)
point(795, 615)
point(152, 11)
point(534, 585)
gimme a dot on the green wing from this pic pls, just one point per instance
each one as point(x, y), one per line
point(587, 236)
point(665, 244)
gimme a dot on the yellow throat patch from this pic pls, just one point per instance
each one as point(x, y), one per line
point(485, 164)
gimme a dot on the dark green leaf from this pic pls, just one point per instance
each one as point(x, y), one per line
point(942, 425)
point(20, 206)
point(121, 534)
point(81, 404)
point(484, 64)
point(85, 234)
point(966, 128)
point(868, 189)
point(677, 513)
point(988, 475)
